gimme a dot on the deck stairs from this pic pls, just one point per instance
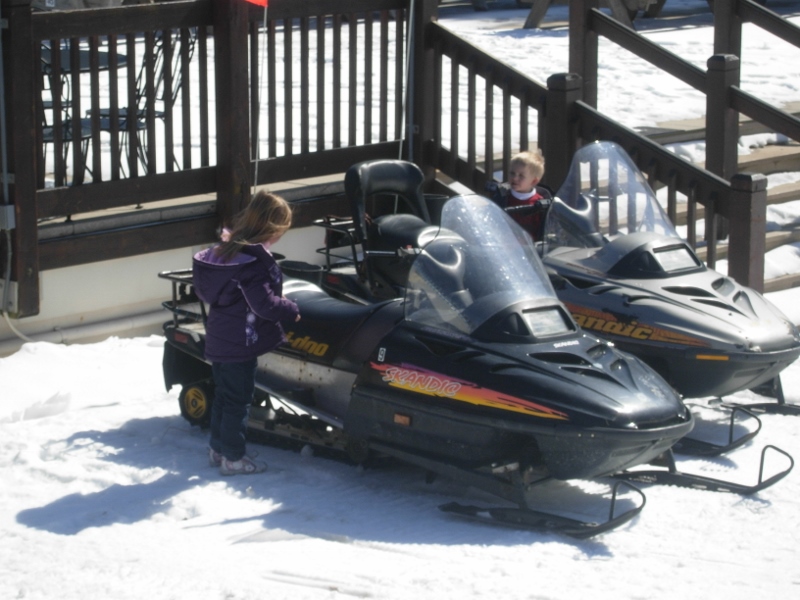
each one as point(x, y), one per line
point(770, 159)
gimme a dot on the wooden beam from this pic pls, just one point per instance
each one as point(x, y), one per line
point(234, 176)
point(20, 88)
point(64, 201)
point(79, 250)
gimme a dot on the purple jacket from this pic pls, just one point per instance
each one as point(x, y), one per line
point(245, 296)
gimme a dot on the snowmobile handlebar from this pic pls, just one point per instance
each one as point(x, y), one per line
point(540, 206)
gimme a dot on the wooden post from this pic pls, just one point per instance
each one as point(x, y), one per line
point(561, 126)
point(748, 229)
point(583, 42)
point(722, 121)
point(722, 124)
point(20, 118)
point(420, 119)
point(234, 169)
point(727, 28)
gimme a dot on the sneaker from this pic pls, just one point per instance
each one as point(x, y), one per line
point(243, 466)
point(215, 458)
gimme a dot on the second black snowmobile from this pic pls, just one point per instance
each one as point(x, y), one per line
point(623, 272)
point(478, 373)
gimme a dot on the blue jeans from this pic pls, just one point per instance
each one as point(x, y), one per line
point(234, 388)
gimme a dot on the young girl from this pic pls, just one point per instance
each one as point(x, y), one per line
point(242, 283)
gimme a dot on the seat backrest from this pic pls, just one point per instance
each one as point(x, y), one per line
point(399, 177)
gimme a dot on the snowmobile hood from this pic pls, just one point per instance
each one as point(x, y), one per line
point(595, 384)
point(704, 306)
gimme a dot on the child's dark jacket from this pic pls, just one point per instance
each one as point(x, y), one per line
point(533, 222)
point(246, 303)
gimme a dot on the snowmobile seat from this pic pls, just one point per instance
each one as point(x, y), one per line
point(316, 306)
point(394, 188)
point(394, 179)
point(391, 232)
point(342, 321)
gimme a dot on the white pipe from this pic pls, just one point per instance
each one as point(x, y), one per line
point(71, 335)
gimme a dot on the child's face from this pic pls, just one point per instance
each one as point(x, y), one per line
point(520, 178)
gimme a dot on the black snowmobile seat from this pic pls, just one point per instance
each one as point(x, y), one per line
point(316, 306)
point(386, 177)
point(399, 184)
point(343, 323)
point(391, 232)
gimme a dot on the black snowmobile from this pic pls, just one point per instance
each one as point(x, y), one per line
point(623, 272)
point(478, 373)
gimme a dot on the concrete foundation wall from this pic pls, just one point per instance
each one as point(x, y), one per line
point(121, 297)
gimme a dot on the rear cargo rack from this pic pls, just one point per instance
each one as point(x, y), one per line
point(185, 306)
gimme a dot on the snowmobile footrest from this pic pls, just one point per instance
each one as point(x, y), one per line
point(542, 521)
point(674, 477)
point(695, 447)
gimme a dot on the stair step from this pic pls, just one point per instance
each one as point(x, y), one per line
point(784, 282)
point(774, 239)
point(786, 192)
point(771, 159)
point(689, 130)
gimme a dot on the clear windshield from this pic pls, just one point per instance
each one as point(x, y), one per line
point(479, 263)
point(603, 196)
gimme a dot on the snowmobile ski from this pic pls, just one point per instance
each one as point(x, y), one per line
point(541, 521)
point(773, 388)
point(674, 477)
point(696, 447)
point(511, 485)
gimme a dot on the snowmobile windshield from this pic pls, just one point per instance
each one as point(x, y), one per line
point(603, 197)
point(480, 263)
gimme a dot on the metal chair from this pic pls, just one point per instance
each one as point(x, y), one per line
point(136, 120)
point(60, 129)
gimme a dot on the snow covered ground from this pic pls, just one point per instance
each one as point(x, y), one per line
point(105, 491)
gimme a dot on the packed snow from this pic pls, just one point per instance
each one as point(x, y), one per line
point(106, 492)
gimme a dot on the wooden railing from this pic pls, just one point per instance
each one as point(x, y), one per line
point(740, 197)
point(356, 111)
point(464, 147)
point(571, 122)
point(720, 189)
point(189, 117)
point(154, 102)
point(732, 14)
